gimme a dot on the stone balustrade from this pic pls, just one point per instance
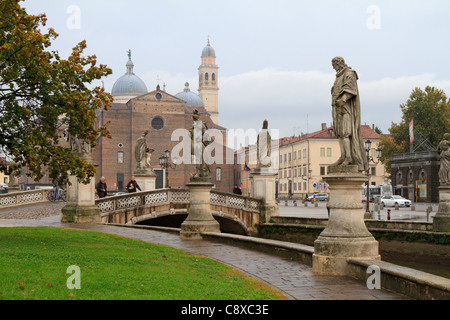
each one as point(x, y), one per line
point(23, 197)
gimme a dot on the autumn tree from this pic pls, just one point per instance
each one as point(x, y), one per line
point(42, 96)
point(430, 110)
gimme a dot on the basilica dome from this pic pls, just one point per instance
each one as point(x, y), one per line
point(192, 99)
point(129, 83)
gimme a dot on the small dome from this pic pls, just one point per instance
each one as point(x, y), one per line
point(208, 51)
point(129, 83)
point(192, 100)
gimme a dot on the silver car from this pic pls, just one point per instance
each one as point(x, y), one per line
point(391, 201)
point(319, 197)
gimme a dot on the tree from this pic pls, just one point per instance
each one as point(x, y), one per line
point(430, 110)
point(43, 95)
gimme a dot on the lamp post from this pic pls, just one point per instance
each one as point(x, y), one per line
point(368, 145)
point(165, 164)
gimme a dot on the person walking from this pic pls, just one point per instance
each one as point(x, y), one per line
point(237, 190)
point(101, 188)
point(132, 185)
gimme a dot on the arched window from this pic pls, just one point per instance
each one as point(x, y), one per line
point(399, 177)
point(213, 77)
point(423, 176)
point(410, 177)
point(218, 174)
point(206, 76)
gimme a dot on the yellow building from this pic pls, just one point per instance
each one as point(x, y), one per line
point(304, 161)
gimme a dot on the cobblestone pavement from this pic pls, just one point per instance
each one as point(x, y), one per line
point(296, 280)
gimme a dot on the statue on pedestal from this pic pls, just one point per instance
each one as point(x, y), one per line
point(346, 112)
point(143, 153)
point(444, 156)
point(263, 150)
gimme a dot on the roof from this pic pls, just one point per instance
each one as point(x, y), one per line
point(208, 51)
point(191, 99)
point(328, 133)
point(129, 83)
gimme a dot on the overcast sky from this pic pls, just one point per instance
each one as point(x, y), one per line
point(274, 55)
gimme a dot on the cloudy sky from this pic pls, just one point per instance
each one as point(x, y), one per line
point(274, 55)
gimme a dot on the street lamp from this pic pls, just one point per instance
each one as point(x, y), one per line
point(164, 162)
point(368, 145)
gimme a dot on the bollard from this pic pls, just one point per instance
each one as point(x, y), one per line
point(286, 203)
point(381, 206)
point(295, 203)
point(315, 204)
point(413, 208)
point(306, 204)
point(389, 214)
point(396, 206)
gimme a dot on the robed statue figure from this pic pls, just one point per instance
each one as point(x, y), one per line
point(346, 111)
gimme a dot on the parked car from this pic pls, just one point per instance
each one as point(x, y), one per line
point(391, 201)
point(319, 197)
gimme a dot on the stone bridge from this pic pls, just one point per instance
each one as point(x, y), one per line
point(169, 207)
point(163, 207)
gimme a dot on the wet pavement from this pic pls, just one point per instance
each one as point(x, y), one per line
point(294, 279)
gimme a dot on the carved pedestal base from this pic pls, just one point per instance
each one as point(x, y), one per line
point(346, 235)
point(200, 218)
point(146, 179)
point(80, 207)
point(441, 221)
point(264, 188)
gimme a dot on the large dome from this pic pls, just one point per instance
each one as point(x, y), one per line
point(129, 83)
point(208, 51)
point(191, 99)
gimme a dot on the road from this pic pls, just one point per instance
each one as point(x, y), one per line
point(419, 214)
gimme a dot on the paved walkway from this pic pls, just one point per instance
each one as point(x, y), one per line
point(296, 280)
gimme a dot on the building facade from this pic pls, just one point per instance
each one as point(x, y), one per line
point(415, 176)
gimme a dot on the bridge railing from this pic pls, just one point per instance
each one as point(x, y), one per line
point(23, 197)
point(168, 196)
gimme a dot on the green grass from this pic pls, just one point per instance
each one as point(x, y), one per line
point(34, 262)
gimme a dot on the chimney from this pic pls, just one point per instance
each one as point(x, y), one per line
point(324, 126)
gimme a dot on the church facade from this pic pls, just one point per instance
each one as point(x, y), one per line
point(135, 110)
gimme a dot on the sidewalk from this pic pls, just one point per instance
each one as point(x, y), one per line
point(294, 279)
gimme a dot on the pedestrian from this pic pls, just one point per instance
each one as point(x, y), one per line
point(237, 190)
point(101, 188)
point(133, 185)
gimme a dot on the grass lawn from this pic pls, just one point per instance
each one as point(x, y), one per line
point(34, 265)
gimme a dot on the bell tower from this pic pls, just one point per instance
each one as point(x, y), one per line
point(209, 82)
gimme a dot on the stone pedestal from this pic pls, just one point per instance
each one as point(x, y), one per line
point(146, 179)
point(80, 207)
point(345, 235)
point(441, 221)
point(200, 218)
point(264, 188)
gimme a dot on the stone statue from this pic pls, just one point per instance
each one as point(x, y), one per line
point(199, 141)
point(346, 113)
point(143, 153)
point(263, 149)
point(79, 146)
point(444, 156)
